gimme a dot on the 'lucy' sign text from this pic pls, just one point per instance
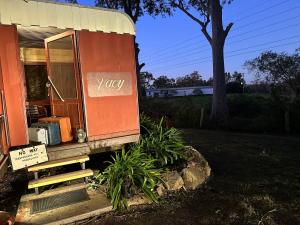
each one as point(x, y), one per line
point(109, 84)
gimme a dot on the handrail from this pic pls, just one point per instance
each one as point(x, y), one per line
point(55, 89)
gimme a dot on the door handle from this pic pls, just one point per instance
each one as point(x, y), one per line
point(55, 89)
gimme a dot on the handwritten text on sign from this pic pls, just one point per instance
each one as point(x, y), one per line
point(25, 157)
point(109, 84)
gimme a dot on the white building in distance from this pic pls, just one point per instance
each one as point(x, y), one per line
point(180, 91)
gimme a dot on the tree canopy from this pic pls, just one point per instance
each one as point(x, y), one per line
point(282, 72)
point(278, 69)
point(136, 8)
point(164, 82)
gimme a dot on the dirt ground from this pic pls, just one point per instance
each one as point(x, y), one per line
point(255, 181)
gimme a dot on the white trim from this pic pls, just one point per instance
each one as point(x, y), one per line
point(60, 15)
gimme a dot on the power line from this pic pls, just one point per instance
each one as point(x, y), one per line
point(192, 53)
point(263, 10)
point(230, 37)
point(267, 17)
point(244, 53)
point(197, 36)
point(249, 47)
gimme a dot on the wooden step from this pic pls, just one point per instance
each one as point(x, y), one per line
point(60, 162)
point(55, 191)
point(59, 178)
point(67, 150)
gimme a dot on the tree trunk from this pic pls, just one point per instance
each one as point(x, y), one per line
point(138, 68)
point(219, 111)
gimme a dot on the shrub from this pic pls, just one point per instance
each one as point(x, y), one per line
point(163, 144)
point(129, 173)
point(146, 124)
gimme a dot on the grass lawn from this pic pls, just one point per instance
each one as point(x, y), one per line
point(255, 178)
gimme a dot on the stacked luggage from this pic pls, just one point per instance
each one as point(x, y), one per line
point(64, 125)
point(51, 130)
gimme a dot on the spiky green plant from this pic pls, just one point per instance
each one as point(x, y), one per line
point(128, 173)
point(163, 144)
point(147, 124)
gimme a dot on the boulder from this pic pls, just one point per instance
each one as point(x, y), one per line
point(197, 170)
point(173, 180)
point(160, 190)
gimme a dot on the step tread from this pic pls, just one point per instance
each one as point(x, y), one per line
point(59, 162)
point(52, 192)
point(60, 178)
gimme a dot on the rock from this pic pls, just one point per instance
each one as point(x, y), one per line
point(160, 190)
point(197, 170)
point(173, 180)
point(193, 177)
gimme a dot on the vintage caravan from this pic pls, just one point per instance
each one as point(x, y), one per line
point(67, 61)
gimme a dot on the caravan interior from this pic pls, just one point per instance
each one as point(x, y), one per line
point(52, 77)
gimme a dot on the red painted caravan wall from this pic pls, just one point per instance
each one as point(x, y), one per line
point(13, 81)
point(109, 116)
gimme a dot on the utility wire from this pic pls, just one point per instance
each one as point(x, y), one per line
point(262, 10)
point(239, 19)
point(243, 53)
point(208, 48)
point(249, 47)
point(234, 36)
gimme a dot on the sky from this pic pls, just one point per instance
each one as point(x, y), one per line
point(175, 46)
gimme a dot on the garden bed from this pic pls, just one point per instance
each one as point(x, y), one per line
point(255, 178)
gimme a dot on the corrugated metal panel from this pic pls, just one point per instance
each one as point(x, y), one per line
point(49, 14)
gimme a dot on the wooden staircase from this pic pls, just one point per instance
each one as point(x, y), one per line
point(83, 173)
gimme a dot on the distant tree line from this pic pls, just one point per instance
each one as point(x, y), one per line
point(190, 80)
point(235, 82)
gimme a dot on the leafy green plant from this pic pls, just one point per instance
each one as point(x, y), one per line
point(163, 144)
point(129, 173)
point(147, 124)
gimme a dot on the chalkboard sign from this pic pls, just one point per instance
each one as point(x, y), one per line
point(25, 157)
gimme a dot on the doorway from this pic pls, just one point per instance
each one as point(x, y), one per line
point(50, 60)
point(64, 78)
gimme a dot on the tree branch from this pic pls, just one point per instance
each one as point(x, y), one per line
point(226, 31)
point(201, 23)
point(181, 7)
point(127, 9)
point(137, 11)
point(206, 34)
point(140, 66)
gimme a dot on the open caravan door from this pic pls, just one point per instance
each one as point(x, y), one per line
point(12, 91)
point(4, 141)
point(107, 63)
point(64, 78)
